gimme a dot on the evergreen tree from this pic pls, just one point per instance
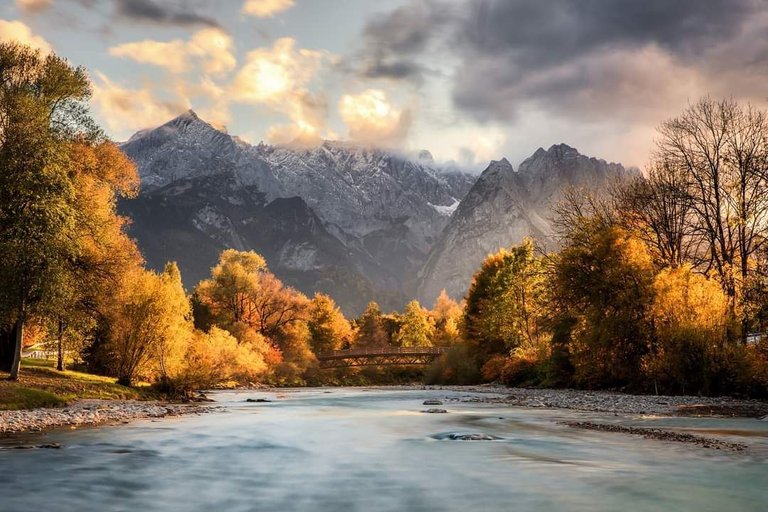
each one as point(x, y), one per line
point(328, 328)
point(371, 331)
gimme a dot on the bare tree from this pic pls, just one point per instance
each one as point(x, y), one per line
point(657, 207)
point(721, 148)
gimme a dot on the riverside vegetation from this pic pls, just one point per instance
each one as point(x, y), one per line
point(655, 287)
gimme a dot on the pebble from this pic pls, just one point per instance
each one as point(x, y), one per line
point(91, 412)
point(435, 411)
point(660, 434)
point(612, 402)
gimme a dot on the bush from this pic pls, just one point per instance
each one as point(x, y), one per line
point(457, 366)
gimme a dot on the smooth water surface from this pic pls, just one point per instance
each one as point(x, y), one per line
point(344, 450)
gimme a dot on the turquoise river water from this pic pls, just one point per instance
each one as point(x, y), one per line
point(340, 450)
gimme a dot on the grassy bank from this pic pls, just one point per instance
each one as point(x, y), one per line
point(40, 385)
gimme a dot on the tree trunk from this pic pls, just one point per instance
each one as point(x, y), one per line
point(60, 358)
point(19, 328)
point(7, 347)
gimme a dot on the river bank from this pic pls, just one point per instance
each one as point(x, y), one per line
point(606, 401)
point(92, 413)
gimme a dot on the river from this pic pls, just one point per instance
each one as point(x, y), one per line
point(340, 450)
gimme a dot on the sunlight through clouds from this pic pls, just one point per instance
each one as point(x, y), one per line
point(266, 8)
point(371, 118)
point(279, 78)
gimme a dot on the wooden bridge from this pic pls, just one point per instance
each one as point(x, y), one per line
point(380, 356)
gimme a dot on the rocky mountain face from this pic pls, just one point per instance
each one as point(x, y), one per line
point(502, 208)
point(357, 223)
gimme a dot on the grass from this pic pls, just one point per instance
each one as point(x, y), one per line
point(41, 385)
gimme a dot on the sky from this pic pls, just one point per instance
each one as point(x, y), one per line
point(468, 80)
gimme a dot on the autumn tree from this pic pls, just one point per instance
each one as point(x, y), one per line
point(721, 147)
point(370, 328)
point(241, 289)
point(328, 328)
point(602, 288)
point(234, 280)
point(416, 328)
point(658, 208)
point(446, 315)
point(216, 357)
point(505, 302)
point(42, 110)
point(148, 322)
point(690, 316)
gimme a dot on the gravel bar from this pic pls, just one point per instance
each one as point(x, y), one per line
point(92, 412)
point(608, 402)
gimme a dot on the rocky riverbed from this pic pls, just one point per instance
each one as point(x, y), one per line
point(610, 402)
point(92, 412)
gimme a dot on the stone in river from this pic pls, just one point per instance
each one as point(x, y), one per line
point(258, 400)
point(435, 411)
point(432, 402)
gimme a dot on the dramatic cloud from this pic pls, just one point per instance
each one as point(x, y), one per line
point(16, 31)
point(609, 66)
point(168, 12)
point(372, 119)
point(125, 109)
point(265, 8)
point(34, 6)
point(212, 47)
point(583, 58)
point(279, 77)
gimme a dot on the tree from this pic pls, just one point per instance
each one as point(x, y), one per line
point(446, 314)
point(722, 149)
point(659, 209)
point(234, 280)
point(100, 173)
point(216, 357)
point(505, 302)
point(370, 331)
point(328, 328)
point(690, 316)
point(602, 290)
point(148, 322)
point(42, 109)
point(242, 290)
point(416, 328)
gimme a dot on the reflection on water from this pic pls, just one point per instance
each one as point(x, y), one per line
point(357, 450)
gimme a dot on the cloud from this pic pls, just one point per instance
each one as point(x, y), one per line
point(372, 119)
point(34, 6)
point(279, 77)
point(266, 8)
point(606, 70)
point(17, 31)
point(125, 110)
point(212, 47)
point(585, 59)
point(167, 12)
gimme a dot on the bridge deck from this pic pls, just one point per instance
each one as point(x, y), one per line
point(380, 356)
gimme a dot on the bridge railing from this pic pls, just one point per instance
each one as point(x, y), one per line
point(380, 351)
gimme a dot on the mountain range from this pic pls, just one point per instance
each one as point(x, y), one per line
point(356, 222)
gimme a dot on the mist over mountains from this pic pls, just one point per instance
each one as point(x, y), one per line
point(358, 223)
